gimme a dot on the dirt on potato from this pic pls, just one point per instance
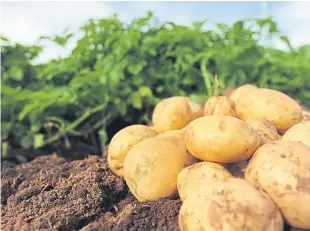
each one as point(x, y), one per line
point(50, 193)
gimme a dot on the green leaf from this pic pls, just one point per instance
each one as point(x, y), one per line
point(27, 109)
point(135, 100)
point(27, 141)
point(137, 68)
point(287, 41)
point(145, 91)
point(38, 140)
point(16, 73)
point(3, 38)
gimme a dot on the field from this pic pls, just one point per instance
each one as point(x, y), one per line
point(59, 117)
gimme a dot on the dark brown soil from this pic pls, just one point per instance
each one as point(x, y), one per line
point(50, 193)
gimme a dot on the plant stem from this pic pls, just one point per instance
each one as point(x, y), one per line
point(73, 125)
point(206, 76)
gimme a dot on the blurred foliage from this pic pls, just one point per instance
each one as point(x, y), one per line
point(118, 70)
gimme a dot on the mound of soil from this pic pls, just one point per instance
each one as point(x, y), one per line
point(50, 193)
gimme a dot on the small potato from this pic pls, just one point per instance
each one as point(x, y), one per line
point(242, 92)
point(265, 128)
point(152, 166)
point(230, 204)
point(221, 139)
point(199, 174)
point(272, 105)
point(123, 141)
point(171, 114)
point(299, 132)
point(281, 169)
point(220, 105)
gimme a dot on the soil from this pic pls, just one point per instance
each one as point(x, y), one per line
point(50, 193)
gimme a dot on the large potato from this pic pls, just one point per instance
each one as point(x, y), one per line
point(221, 139)
point(123, 141)
point(242, 92)
point(220, 105)
point(172, 113)
point(299, 132)
point(265, 128)
point(231, 204)
point(272, 105)
point(282, 169)
point(199, 174)
point(152, 166)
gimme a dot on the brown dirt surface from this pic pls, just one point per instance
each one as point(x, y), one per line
point(50, 193)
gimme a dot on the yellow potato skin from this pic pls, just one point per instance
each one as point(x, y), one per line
point(221, 139)
point(171, 114)
point(220, 105)
point(123, 141)
point(265, 128)
point(299, 132)
point(280, 109)
point(199, 174)
point(242, 92)
point(151, 167)
point(230, 204)
point(281, 169)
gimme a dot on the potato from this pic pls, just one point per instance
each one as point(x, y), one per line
point(220, 105)
point(272, 105)
point(152, 166)
point(231, 204)
point(222, 139)
point(172, 113)
point(242, 92)
point(199, 174)
point(299, 132)
point(265, 128)
point(123, 141)
point(237, 169)
point(281, 169)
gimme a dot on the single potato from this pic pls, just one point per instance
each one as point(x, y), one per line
point(281, 169)
point(231, 204)
point(221, 139)
point(123, 141)
point(152, 166)
point(299, 132)
point(265, 128)
point(172, 113)
point(280, 109)
point(220, 105)
point(242, 92)
point(199, 174)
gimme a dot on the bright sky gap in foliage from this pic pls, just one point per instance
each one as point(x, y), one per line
point(25, 22)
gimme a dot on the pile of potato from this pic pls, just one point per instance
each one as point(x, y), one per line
point(238, 163)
